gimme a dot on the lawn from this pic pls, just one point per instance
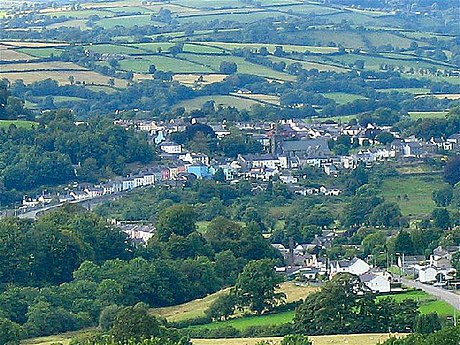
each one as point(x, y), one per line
point(428, 304)
point(342, 97)
point(412, 193)
point(17, 123)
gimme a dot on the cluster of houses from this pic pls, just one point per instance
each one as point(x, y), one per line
point(438, 269)
point(288, 145)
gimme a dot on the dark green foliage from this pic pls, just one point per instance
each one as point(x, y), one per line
point(223, 307)
point(427, 324)
point(134, 323)
point(452, 171)
point(443, 197)
point(10, 332)
point(446, 336)
point(441, 218)
point(296, 339)
point(256, 285)
point(178, 219)
point(343, 306)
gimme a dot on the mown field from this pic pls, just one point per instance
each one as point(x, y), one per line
point(198, 307)
point(348, 339)
point(17, 123)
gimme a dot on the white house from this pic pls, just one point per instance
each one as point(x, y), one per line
point(170, 147)
point(355, 266)
point(427, 275)
point(375, 282)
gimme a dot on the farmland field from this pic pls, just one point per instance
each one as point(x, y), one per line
point(113, 49)
point(17, 123)
point(270, 99)
point(41, 66)
point(427, 114)
point(308, 65)
point(163, 63)
point(412, 90)
point(62, 77)
point(190, 79)
point(271, 47)
point(342, 97)
point(13, 55)
point(348, 339)
point(412, 193)
point(127, 21)
point(225, 101)
point(244, 66)
point(41, 52)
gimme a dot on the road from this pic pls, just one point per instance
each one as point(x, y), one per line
point(445, 295)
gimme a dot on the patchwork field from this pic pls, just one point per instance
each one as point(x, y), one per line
point(17, 123)
point(427, 114)
point(342, 97)
point(271, 47)
point(191, 79)
point(13, 55)
point(224, 101)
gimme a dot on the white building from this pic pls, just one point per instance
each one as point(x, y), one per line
point(355, 266)
point(375, 282)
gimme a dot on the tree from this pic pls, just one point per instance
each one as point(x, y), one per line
point(387, 215)
point(403, 243)
point(443, 197)
point(222, 308)
point(152, 69)
point(441, 218)
point(427, 324)
point(227, 67)
point(219, 176)
point(296, 339)
point(10, 332)
point(452, 171)
point(256, 286)
point(177, 219)
point(135, 322)
point(385, 138)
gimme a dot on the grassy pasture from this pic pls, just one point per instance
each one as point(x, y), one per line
point(82, 14)
point(154, 46)
point(41, 52)
point(114, 49)
point(271, 99)
point(382, 38)
point(250, 321)
point(303, 9)
point(342, 97)
point(236, 17)
point(348, 39)
point(73, 23)
point(209, 3)
point(308, 65)
point(271, 47)
point(412, 90)
point(129, 9)
point(427, 114)
point(224, 101)
point(213, 62)
point(17, 123)
point(418, 190)
point(127, 21)
point(163, 63)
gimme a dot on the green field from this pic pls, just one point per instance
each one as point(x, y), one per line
point(244, 66)
point(427, 114)
point(412, 193)
point(82, 14)
point(412, 90)
point(427, 303)
point(114, 49)
point(251, 321)
point(224, 101)
point(271, 47)
point(163, 63)
point(17, 123)
point(342, 97)
point(41, 52)
point(127, 21)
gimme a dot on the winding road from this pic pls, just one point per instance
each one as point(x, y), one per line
point(445, 295)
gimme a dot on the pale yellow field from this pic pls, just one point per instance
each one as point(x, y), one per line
point(62, 77)
point(40, 66)
point(198, 307)
point(190, 79)
point(353, 339)
point(25, 44)
point(275, 100)
point(13, 55)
